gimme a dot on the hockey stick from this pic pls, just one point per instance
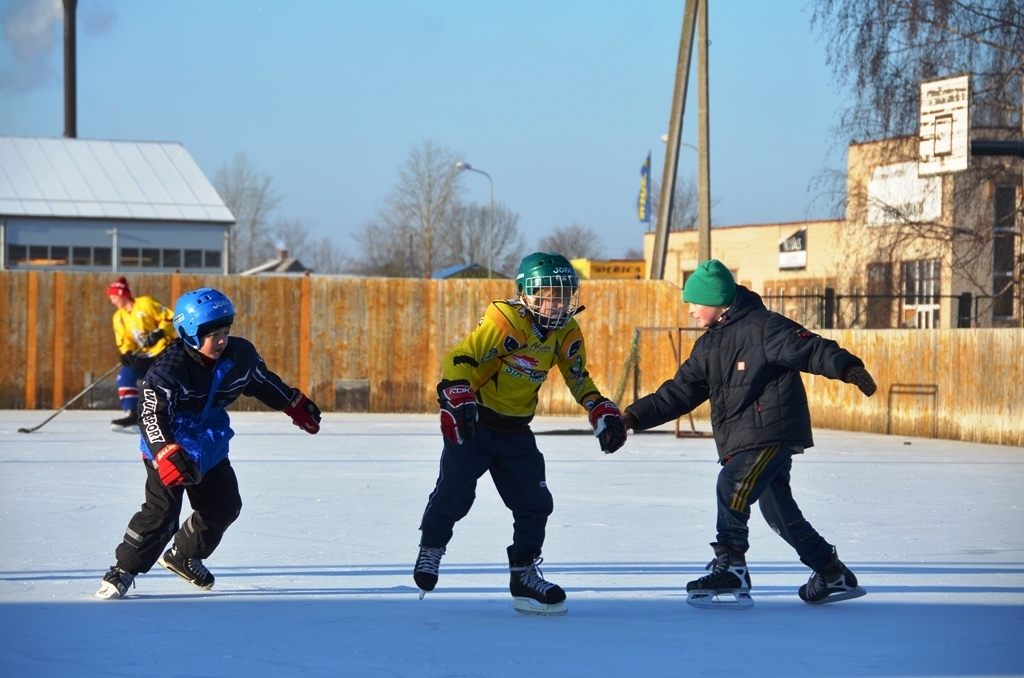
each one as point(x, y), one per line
point(70, 402)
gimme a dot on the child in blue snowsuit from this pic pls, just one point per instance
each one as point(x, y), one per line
point(185, 432)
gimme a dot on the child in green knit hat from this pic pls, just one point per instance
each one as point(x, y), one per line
point(748, 365)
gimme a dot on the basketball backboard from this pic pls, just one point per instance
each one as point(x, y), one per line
point(945, 126)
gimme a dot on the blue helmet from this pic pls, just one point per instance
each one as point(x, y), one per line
point(200, 312)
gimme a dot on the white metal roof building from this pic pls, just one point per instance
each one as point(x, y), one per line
point(86, 204)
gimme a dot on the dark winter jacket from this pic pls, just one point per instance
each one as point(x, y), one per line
point(176, 405)
point(748, 365)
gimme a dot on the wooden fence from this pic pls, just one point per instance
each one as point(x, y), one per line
point(376, 344)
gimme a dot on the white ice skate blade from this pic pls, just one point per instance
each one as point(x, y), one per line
point(423, 592)
point(116, 428)
point(108, 592)
point(727, 600)
point(531, 606)
point(847, 594)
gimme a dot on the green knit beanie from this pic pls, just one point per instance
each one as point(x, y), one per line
point(710, 285)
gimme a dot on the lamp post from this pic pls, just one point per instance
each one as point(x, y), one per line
point(490, 232)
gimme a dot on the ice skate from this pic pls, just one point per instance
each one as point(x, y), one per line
point(191, 570)
point(531, 593)
point(726, 587)
point(832, 583)
point(116, 583)
point(129, 423)
point(425, 571)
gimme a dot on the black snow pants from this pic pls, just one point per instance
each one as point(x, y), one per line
point(517, 469)
point(215, 505)
point(762, 476)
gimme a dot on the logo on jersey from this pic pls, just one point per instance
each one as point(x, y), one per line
point(511, 344)
point(574, 348)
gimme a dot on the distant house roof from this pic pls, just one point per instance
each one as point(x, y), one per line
point(283, 264)
point(466, 271)
point(50, 177)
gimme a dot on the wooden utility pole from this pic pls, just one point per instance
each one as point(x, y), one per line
point(695, 15)
point(675, 133)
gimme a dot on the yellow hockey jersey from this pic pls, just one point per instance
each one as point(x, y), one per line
point(507, 358)
point(131, 327)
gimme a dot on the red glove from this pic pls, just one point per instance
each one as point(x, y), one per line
point(176, 467)
point(608, 425)
point(304, 412)
point(458, 411)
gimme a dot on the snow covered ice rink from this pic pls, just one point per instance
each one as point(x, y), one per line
point(314, 579)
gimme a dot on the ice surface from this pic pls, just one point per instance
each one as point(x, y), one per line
point(314, 579)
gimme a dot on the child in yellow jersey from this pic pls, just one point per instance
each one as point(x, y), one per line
point(142, 330)
point(488, 396)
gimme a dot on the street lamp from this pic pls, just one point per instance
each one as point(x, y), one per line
point(490, 235)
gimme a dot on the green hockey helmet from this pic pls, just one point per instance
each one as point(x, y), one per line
point(549, 287)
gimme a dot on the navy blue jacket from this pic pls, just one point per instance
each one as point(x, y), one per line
point(183, 400)
point(748, 365)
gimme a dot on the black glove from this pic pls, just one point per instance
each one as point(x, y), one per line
point(151, 338)
point(859, 377)
point(458, 410)
point(134, 361)
point(608, 425)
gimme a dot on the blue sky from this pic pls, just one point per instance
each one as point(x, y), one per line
point(558, 101)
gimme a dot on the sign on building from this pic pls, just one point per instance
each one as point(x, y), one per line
point(793, 250)
point(945, 126)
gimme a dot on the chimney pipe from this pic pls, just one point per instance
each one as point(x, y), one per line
point(70, 76)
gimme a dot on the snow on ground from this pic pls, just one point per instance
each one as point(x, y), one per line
point(314, 579)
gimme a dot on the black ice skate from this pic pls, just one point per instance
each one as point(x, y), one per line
point(115, 584)
point(191, 570)
point(727, 586)
point(531, 593)
point(425, 571)
point(129, 423)
point(832, 583)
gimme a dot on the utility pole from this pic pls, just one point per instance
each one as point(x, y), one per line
point(675, 133)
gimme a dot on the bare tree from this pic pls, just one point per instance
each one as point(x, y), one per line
point(684, 204)
point(880, 52)
point(469, 238)
point(320, 256)
point(251, 197)
point(387, 250)
point(415, 213)
point(575, 241)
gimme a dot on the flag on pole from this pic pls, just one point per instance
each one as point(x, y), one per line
point(643, 202)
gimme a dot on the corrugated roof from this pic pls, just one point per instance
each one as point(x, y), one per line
point(47, 177)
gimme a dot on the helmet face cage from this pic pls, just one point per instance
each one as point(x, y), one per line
point(201, 307)
point(552, 299)
point(549, 287)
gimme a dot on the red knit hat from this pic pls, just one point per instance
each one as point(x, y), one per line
point(120, 289)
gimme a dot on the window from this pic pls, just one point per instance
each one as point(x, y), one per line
point(212, 258)
point(921, 293)
point(150, 257)
point(81, 256)
point(130, 257)
point(1004, 241)
point(101, 256)
point(17, 254)
point(193, 258)
point(172, 258)
point(38, 255)
point(879, 300)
